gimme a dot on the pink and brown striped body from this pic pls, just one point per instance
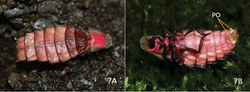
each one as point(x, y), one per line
point(59, 44)
point(185, 46)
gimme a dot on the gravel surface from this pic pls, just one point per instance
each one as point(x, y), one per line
point(92, 71)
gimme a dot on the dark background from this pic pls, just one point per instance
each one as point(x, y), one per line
point(85, 72)
point(146, 72)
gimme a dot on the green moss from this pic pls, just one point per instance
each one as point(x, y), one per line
point(146, 72)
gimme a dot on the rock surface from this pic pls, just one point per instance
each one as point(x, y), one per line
point(85, 72)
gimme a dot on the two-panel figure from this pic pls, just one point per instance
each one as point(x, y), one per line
point(124, 45)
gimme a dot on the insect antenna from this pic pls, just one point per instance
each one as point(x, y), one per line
point(164, 31)
point(221, 59)
point(172, 52)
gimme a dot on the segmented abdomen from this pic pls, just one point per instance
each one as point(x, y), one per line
point(57, 44)
point(214, 46)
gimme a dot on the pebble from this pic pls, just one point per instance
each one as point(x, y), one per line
point(87, 4)
point(42, 23)
point(108, 72)
point(69, 85)
point(117, 48)
point(1, 9)
point(117, 54)
point(33, 71)
point(47, 6)
point(13, 12)
point(89, 83)
point(79, 14)
point(13, 79)
point(24, 76)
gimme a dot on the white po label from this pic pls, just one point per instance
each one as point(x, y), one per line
point(216, 14)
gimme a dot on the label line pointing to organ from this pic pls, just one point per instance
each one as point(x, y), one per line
point(221, 23)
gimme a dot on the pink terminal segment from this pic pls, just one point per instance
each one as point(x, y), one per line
point(98, 39)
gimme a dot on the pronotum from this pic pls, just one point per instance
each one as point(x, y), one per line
point(191, 47)
point(60, 43)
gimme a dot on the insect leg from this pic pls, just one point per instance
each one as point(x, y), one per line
point(164, 31)
point(164, 54)
point(202, 39)
point(202, 33)
point(189, 31)
point(172, 52)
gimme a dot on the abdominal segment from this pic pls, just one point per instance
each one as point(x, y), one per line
point(214, 46)
point(53, 45)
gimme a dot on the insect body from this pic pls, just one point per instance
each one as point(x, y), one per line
point(197, 47)
point(59, 44)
